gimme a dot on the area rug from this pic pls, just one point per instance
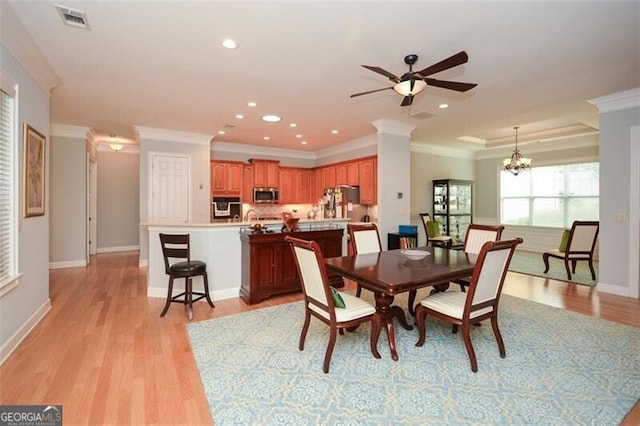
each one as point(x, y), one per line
point(530, 263)
point(561, 368)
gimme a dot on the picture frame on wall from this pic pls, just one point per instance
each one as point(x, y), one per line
point(34, 177)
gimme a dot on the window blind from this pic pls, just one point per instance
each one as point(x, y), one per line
point(8, 215)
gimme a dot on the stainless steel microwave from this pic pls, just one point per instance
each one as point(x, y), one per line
point(266, 195)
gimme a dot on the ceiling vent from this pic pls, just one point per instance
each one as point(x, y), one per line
point(72, 17)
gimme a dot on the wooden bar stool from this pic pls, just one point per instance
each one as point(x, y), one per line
point(176, 246)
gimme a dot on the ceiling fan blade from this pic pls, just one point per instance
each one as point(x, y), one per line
point(408, 100)
point(452, 85)
point(452, 61)
point(384, 72)
point(370, 91)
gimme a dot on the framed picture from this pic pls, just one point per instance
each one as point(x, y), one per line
point(34, 159)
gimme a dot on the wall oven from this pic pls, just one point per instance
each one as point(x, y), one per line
point(266, 195)
point(226, 208)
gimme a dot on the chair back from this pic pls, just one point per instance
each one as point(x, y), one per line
point(175, 246)
point(583, 236)
point(477, 235)
point(489, 273)
point(312, 272)
point(364, 238)
point(430, 230)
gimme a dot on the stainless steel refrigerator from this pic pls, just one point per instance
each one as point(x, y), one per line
point(343, 201)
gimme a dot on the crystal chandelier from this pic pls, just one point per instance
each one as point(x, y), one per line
point(517, 163)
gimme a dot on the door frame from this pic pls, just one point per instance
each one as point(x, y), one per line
point(91, 208)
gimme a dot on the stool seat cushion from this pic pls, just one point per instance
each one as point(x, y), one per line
point(194, 268)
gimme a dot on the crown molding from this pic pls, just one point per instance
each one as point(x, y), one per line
point(172, 135)
point(69, 131)
point(346, 147)
point(442, 151)
point(393, 127)
point(260, 151)
point(618, 101)
point(560, 144)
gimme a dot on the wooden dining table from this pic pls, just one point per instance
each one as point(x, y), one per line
point(390, 272)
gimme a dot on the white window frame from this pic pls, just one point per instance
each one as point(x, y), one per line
point(568, 222)
point(11, 279)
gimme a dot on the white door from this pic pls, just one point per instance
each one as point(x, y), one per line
point(169, 189)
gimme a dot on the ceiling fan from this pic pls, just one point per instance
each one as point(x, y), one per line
point(413, 82)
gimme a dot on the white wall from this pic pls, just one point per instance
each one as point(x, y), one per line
point(22, 307)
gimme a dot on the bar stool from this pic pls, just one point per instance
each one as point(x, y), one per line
point(176, 246)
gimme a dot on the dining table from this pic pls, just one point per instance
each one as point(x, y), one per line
point(391, 272)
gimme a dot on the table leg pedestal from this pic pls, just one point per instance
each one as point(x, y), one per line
point(385, 313)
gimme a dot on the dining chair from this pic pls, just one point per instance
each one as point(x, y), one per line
point(580, 245)
point(365, 238)
point(479, 303)
point(336, 309)
point(432, 231)
point(176, 250)
point(474, 239)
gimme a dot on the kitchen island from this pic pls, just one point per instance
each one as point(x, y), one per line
point(219, 245)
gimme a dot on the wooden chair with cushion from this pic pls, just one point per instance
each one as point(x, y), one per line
point(338, 310)
point(176, 251)
point(479, 303)
point(432, 231)
point(474, 239)
point(580, 245)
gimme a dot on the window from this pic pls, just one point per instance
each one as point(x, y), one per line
point(552, 196)
point(8, 186)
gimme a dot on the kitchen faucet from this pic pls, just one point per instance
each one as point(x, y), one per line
point(246, 217)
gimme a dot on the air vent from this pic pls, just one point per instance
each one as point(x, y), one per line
point(421, 115)
point(228, 127)
point(72, 17)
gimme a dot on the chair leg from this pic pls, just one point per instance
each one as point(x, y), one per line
point(462, 288)
point(574, 263)
point(545, 258)
point(169, 295)
point(327, 357)
point(412, 299)
point(593, 271)
point(189, 296)
point(566, 266)
point(358, 290)
point(206, 289)
point(467, 343)
point(305, 328)
point(421, 315)
point(496, 332)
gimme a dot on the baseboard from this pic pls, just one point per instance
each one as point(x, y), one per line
point(14, 341)
point(68, 264)
point(115, 249)
point(228, 293)
point(614, 289)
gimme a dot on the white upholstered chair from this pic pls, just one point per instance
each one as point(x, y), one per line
point(321, 302)
point(479, 303)
point(581, 244)
point(474, 239)
point(364, 238)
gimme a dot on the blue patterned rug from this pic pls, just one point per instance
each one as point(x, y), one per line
point(530, 263)
point(561, 368)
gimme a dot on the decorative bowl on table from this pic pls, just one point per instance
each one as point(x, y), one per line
point(415, 254)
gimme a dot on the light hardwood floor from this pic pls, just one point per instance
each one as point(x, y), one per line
point(104, 353)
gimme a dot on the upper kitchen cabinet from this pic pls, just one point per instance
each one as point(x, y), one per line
point(303, 179)
point(348, 173)
point(247, 183)
point(367, 169)
point(295, 185)
point(266, 173)
point(226, 178)
point(329, 176)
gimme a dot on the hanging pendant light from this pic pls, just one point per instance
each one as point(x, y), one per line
point(517, 163)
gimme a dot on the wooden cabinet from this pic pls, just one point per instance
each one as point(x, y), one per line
point(226, 178)
point(268, 265)
point(287, 185)
point(353, 173)
point(367, 169)
point(247, 183)
point(341, 174)
point(266, 173)
point(329, 176)
point(303, 187)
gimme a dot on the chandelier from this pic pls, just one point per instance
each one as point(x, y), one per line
point(517, 163)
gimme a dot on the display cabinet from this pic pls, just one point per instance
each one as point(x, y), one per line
point(452, 207)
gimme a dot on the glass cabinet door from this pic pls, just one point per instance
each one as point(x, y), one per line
point(453, 207)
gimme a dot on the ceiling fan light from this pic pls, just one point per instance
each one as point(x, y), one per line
point(404, 87)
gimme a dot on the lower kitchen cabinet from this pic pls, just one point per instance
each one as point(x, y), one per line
point(268, 265)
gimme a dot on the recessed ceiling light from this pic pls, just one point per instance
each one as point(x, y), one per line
point(239, 116)
point(221, 132)
point(443, 106)
point(252, 104)
point(298, 136)
point(292, 125)
point(303, 143)
point(266, 138)
point(335, 132)
point(271, 118)
point(227, 43)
